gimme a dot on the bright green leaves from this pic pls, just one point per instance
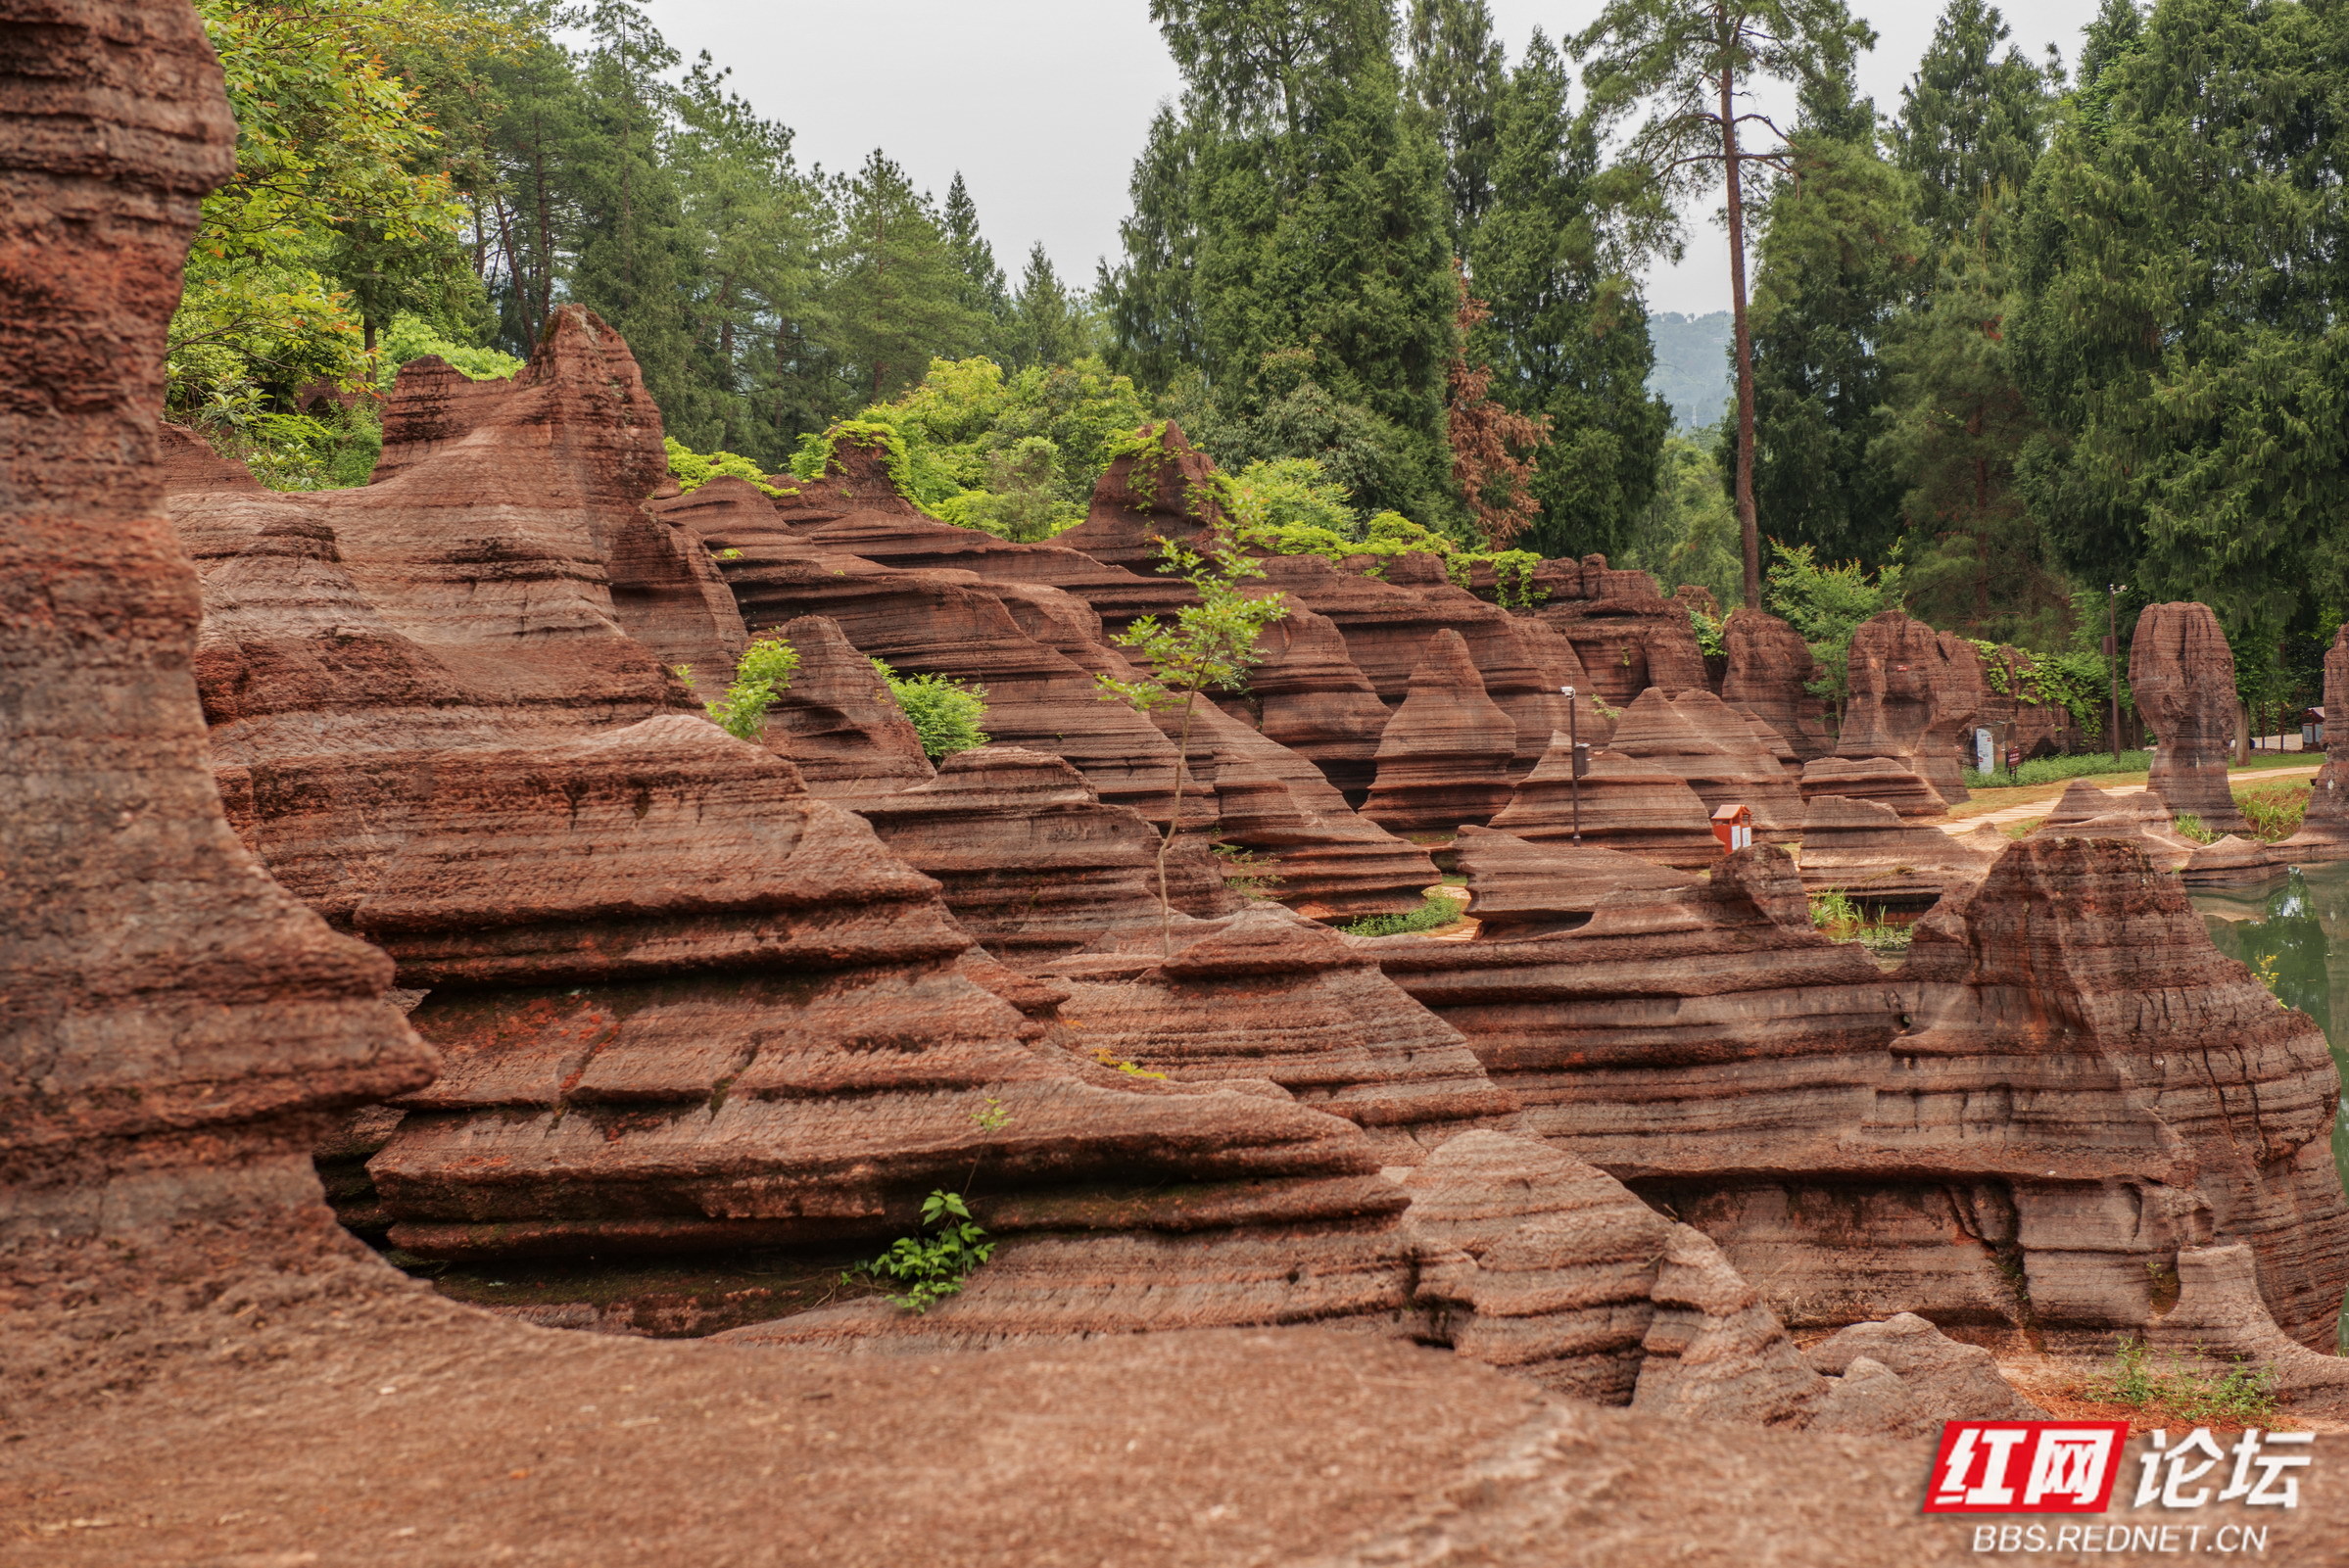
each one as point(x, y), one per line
point(930, 1268)
point(694, 469)
point(1209, 646)
point(946, 713)
point(760, 675)
point(1825, 605)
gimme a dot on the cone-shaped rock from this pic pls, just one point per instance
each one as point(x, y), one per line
point(1698, 738)
point(1444, 759)
point(838, 724)
point(1865, 850)
point(1633, 807)
point(1886, 781)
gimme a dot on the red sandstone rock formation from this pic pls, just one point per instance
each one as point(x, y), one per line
point(1864, 849)
point(838, 722)
point(2183, 674)
point(1030, 860)
point(1159, 491)
point(1273, 996)
point(1444, 759)
point(945, 623)
point(1633, 807)
point(1770, 668)
point(1914, 691)
point(1885, 780)
point(1628, 636)
point(2325, 833)
point(1523, 888)
point(1324, 859)
point(1698, 738)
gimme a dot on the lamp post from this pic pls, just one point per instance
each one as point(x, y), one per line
point(1573, 761)
point(2112, 660)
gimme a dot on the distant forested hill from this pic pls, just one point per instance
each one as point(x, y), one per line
point(1692, 365)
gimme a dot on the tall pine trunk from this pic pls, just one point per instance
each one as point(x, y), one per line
point(1748, 529)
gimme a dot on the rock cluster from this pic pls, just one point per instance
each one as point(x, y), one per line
point(1619, 803)
point(1444, 758)
point(1769, 673)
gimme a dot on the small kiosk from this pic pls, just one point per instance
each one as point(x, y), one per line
point(1733, 825)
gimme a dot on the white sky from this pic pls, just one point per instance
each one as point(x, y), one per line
point(1043, 103)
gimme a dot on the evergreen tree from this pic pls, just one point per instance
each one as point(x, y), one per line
point(1457, 76)
point(2180, 327)
point(1294, 232)
point(984, 292)
point(1692, 62)
point(1046, 324)
point(631, 265)
point(898, 294)
point(1837, 253)
point(1971, 124)
point(1567, 335)
point(537, 135)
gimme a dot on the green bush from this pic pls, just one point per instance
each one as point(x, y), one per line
point(2244, 1395)
point(2275, 811)
point(694, 469)
point(930, 1268)
point(764, 669)
point(1437, 911)
point(2055, 770)
point(946, 713)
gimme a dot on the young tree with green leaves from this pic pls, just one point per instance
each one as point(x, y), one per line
point(1209, 646)
point(1694, 65)
point(760, 675)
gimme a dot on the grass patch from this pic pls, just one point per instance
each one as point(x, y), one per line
point(2024, 829)
point(2056, 770)
point(2189, 826)
point(1833, 912)
point(2171, 1390)
point(1436, 912)
point(2275, 811)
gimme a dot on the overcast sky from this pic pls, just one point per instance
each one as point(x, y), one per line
point(1043, 103)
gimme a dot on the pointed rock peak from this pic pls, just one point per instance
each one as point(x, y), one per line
point(2082, 801)
point(1263, 939)
point(1763, 876)
point(1445, 667)
point(189, 464)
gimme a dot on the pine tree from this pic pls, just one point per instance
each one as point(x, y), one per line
point(632, 266)
point(1971, 122)
point(1838, 255)
point(1046, 324)
point(899, 290)
point(984, 292)
point(1457, 76)
point(2180, 330)
point(1691, 61)
point(1290, 230)
point(1567, 335)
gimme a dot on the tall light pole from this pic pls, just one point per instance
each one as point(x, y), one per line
point(2112, 660)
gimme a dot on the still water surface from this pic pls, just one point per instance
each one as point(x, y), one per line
point(2295, 935)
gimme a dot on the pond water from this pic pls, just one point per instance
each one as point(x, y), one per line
point(2293, 932)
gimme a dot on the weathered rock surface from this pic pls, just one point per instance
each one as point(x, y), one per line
point(1030, 860)
point(2325, 833)
point(1947, 1380)
point(1539, 887)
point(1275, 996)
point(1322, 859)
point(1444, 758)
point(1701, 739)
point(1770, 668)
point(2182, 674)
point(1633, 807)
point(1866, 850)
point(1628, 636)
point(1886, 781)
point(1914, 691)
point(838, 722)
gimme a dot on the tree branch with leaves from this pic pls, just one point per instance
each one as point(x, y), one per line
point(1209, 646)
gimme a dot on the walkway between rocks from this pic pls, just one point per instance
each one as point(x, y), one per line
point(2040, 808)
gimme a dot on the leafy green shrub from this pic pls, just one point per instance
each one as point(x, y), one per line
point(2055, 770)
point(764, 669)
point(694, 469)
point(1825, 605)
point(1437, 911)
point(1290, 507)
point(946, 713)
point(2189, 826)
point(411, 336)
point(1708, 628)
point(2244, 1395)
point(931, 1268)
point(1833, 911)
